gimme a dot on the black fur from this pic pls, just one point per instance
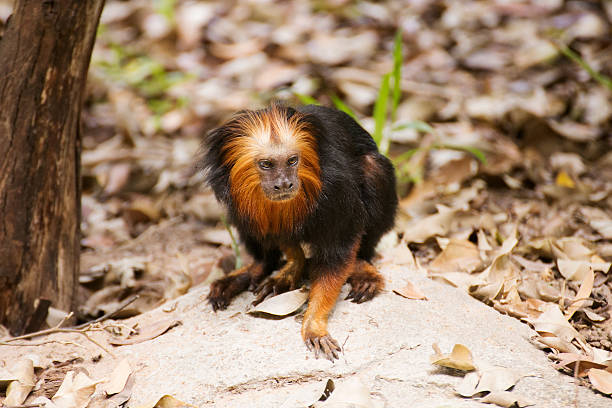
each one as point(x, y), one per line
point(358, 198)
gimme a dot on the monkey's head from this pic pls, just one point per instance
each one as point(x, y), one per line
point(278, 172)
point(272, 163)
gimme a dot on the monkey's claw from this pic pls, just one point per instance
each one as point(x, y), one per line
point(362, 292)
point(324, 345)
point(223, 290)
point(273, 286)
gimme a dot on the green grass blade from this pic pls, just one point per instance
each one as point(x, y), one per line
point(397, 73)
point(306, 99)
point(235, 246)
point(472, 150)
point(414, 124)
point(569, 53)
point(399, 159)
point(340, 105)
point(380, 110)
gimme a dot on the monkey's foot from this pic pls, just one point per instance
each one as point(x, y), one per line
point(323, 345)
point(366, 282)
point(223, 290)
point(275, 285)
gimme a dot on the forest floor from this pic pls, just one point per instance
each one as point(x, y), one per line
point(502, 139)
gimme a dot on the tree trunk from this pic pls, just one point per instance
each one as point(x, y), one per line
point(44, 56)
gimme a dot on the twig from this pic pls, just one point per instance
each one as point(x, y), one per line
point(58, 328)
point(109, 315)
point(41, 405)
point(80, 329)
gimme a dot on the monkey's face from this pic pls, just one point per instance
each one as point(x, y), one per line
point(279, 175)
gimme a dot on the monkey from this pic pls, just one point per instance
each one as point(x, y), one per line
point(310, 175)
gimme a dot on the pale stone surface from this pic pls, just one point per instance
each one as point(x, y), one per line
point(231, 359)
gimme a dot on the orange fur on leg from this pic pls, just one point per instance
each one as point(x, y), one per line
point(323, 295)
point(288, 278)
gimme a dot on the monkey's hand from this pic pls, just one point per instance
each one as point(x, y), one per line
point(288, 278)
point(223, 290)
point(319, 341)
point(366, 282)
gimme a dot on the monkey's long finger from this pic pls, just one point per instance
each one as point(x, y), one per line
point(317, 347)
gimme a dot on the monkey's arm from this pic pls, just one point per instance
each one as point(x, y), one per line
point(223, 290)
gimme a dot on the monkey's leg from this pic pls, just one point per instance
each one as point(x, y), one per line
point(323, 294)
point(366, 282)
point(288, 278)
point(223, 290)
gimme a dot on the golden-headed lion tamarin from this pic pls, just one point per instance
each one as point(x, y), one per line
point(307, 175)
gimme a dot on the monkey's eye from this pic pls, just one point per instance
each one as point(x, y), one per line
point(292, 161)
point(265, 164)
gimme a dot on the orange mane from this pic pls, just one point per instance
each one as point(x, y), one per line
point(263, 131)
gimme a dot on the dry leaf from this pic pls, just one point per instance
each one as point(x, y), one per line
point(577, 270)
point(564, 180)
point(167, 401)
point(119, 378)
point(460, 358)
point(467, 386)
point(410, 292)
point(583, 294)
point(601, 380)
point(18, 390)
point(552, 322)
point(76, 391)
point(556, 343)
point(147, 332)
point(497, 379)
point(436, 224)
point(569, 360)
point(350, 393)
point(283, 304)
point(506, 399)
point(458, 256)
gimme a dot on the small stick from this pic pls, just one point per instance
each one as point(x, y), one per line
point(109, 315)
point(58, 328)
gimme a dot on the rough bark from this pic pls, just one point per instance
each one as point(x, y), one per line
point(44, 54)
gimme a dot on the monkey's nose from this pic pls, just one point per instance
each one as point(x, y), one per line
point(284, 186)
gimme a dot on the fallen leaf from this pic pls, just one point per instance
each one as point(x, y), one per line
point(569, 360)
point(76, 391)
point(410, 292)
point(437, 224)
point(552, 322)
point(350, 393)
point(122, 397)
point(18, 390)
point(506, 399)
point(577, 270)
point(6, 377)
point(118, 378)
point(583, 294)
point(601, 380)
point(148, 332)
point(564, 180)
point(556, 343)
point(167, 401)
point(460, 358)
point(497, 379)
point(457, 256)
point(467, 386)
point(283, 304)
